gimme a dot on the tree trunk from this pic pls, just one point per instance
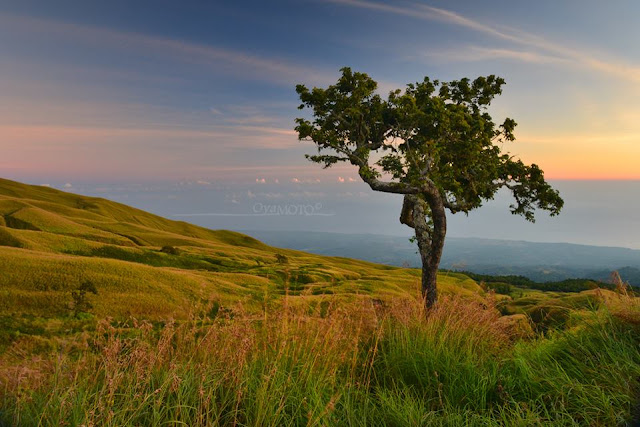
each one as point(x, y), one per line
point(430, 238)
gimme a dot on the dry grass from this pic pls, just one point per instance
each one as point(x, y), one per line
point(335, 364)
point(232, 337)
point(295, 345)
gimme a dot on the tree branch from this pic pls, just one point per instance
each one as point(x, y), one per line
point(385, 186)
point(456, 206)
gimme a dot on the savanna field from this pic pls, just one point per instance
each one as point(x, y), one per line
point(114, 316)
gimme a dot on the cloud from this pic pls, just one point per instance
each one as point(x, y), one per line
point(424, 12)
point(352, 180)
point(71, 136)
point(261, 180)
point(251, 120)
point(216, 58)
point(340, 179)
point(68, 185)
point(477, 53)
point(249, 115)
point(545, 48)
point(306, 181)
point(201, 182)
point(600, 140)
point(307, 194)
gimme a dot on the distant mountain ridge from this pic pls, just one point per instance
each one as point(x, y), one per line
point(537, 261)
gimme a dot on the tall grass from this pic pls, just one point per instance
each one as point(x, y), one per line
point(357, 364)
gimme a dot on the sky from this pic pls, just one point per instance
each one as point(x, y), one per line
point(104, 96)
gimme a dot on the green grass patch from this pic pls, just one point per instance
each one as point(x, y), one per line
point(333, 365)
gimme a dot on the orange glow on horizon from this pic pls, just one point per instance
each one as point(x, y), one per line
point(131, 153)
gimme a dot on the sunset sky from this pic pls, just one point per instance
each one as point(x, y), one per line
point(156, 90)
point(187, 109)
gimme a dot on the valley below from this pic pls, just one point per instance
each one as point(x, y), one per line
point(540, 262)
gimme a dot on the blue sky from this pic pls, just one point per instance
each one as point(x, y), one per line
point(115, 97)
point(159, 90)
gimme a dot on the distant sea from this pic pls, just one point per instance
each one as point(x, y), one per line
point(604, 213)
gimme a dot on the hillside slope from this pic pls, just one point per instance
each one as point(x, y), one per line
point(51, 242)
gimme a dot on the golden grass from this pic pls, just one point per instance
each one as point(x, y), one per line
point(336, 364)
point(325, 344)
point(54, 241)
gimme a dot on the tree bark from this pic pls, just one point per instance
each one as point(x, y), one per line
point(430, 237)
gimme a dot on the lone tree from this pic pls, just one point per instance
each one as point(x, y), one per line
point(435, 143)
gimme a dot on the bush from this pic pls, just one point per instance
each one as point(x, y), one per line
point(282, 259)
point(81, 302)
point(171, 250)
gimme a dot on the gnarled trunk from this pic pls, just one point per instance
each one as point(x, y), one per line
point(430, 237)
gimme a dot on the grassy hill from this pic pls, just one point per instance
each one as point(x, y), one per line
point(190, 326)
point(147, 266)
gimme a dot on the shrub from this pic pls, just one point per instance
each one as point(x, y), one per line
point(171, 250)
point(81, 302)
point(282, 259)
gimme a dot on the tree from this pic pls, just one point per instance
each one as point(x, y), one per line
point(81, 303)
point(434, 143)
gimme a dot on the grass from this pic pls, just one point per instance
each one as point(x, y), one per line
point(191, 326)
point(353, 364)
point(51, 242)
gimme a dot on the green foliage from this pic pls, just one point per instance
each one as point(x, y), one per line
point(499, 288)
point(434, 142)
point(171, 250)
point(432, 134)
point(567, 285)
point(12, 327)
point(455, 368)
point(282, 259)
point(81, 303)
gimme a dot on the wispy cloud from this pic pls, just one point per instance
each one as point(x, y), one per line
point(600, 140)
point(216, 58)
point(60, 138)
point(478, 53)
point(545, 48)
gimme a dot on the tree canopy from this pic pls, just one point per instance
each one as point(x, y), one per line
point(433, 135)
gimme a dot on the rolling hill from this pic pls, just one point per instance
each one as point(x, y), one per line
point(51, 242)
